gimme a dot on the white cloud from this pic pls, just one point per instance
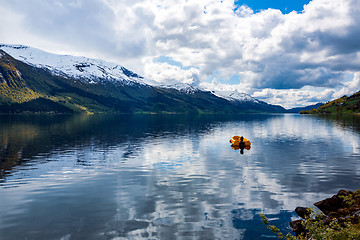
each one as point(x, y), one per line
point(294, 97)
point(267, 50)
point(165, 73)
point(214, 85)
point(349, 87)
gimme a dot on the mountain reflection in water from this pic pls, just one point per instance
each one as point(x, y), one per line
point(172, 176)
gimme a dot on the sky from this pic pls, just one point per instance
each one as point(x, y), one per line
point(290, 53)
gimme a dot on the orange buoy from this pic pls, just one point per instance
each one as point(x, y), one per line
point(235, 140)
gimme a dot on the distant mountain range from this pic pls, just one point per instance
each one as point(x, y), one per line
point(298, 109)
point(32, 80)
point(341, 105)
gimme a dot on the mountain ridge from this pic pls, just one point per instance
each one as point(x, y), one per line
point(95, 86)
point(81, 68)
point(309, 107)
point(94, 70)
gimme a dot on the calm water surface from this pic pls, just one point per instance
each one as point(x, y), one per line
point(168, 177)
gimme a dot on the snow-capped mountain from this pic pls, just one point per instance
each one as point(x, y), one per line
point(233, 96)
point(70, 84)
point(85, 69)
point(93, 71)
point(182, 87)
point(36, 81)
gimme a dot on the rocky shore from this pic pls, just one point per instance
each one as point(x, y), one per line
point(344, 208)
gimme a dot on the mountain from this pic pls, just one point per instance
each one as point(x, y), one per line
point(32, 80)
point(244, 101)
point(341, 105)
point(298, 109)
point(181, 87)
point(84, 69)
point(234, 96)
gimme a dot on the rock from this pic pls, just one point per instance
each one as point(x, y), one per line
point(333, 214)
point(297, 227)
point(302, 211)
point(330, 204)
point(334, 208)
point(343, 192)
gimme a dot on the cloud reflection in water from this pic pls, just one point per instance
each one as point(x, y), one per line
point(162, 177)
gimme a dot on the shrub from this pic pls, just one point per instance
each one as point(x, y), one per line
point(317, 229)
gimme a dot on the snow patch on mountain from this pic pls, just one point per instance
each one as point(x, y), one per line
point(85, 69)
point(182, 87)
point(233, 96)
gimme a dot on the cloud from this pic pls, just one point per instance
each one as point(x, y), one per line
point(316, 48)
point(83, 23)
point(166, 73)
point(349, 87)
point(294, 97)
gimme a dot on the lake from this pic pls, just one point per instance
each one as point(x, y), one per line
point(168, 176)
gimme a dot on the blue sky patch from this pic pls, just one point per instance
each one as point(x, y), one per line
point(171, 61)
point(284, 6)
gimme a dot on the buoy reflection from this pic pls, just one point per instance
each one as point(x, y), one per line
point(237, 147)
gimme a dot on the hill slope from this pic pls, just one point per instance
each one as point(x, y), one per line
point(341, 105)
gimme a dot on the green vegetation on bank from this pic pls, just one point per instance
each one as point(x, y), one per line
point(339, 106)
point(341, 221)
point(317, 230)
